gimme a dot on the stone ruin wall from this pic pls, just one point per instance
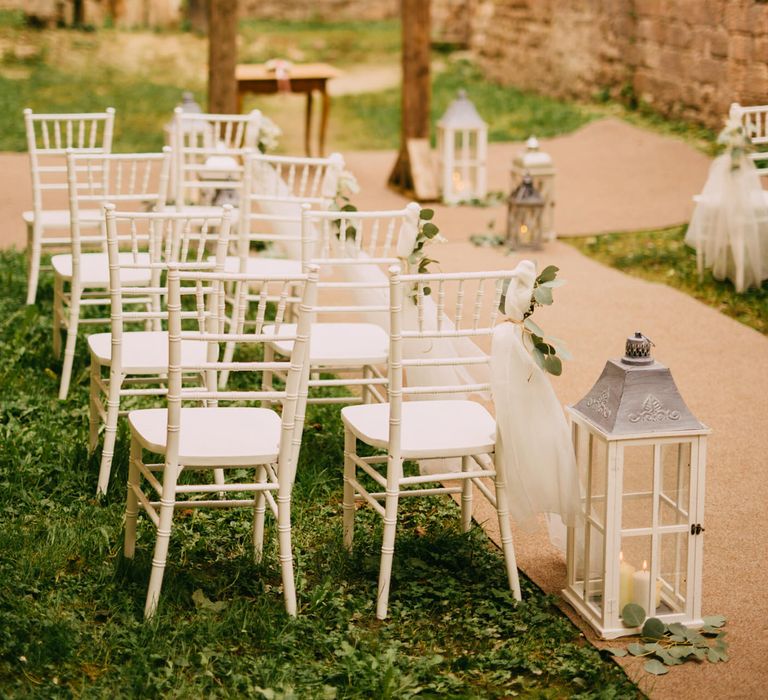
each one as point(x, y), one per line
point(685, 58)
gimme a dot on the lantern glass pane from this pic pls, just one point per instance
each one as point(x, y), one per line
point(673, 572)
point(595, 554)
point(674, 497)
point(593, 545)
point(634, 579)
point(637, 488)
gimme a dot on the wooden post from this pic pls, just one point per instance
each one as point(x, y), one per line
point(222, 56)
point(416, 91)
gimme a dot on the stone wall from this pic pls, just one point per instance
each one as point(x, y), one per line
point(321, 10)
point(686, 58)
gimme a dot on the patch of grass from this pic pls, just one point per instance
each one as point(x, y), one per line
point(372, 120)
point(70, 606)
point(340, 43)
point(662, 256)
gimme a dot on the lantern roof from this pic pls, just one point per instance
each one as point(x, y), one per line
point(189, 105)
point(532, 158)
point(636, 396)
point(461, 114)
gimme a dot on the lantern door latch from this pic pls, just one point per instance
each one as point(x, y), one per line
point(696, 529)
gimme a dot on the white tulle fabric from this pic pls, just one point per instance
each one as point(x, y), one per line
point(729, 227)
point(533, 442)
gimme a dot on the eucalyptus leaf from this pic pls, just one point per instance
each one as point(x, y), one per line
point(708, 629)
point(677, 638)
point(714, 620)
point(554, 283)
point(543, 295)
point(636, 649)
point(633, 615)
point(677, 628)
point(426, 214)
point(713, 656)
point(348, 207)
point(538, 357)
point(553, 365)
point(616, 651)
point(653, 647)
point(548, 273)
point(655, 667)
point(699, 653)
point(681, 652)
point(668, 659)
point(654, 628)
point(430, 230)
point(530, 324)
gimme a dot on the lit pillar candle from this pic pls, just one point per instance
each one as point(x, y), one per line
point(626, 571)
point(641, 585)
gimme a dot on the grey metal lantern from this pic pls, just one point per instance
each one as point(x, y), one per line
point(525, 208)
point(538, 164)
point(641, 456)
point(462, 149)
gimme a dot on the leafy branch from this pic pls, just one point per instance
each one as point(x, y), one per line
point(665, 645)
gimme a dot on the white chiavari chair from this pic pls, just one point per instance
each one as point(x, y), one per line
point(136, 361)
point(425, 422)
point(81, 278)
point(349, 339)
point(755, 121)
point(49, 136)
point(208, 153)
point(191, 439)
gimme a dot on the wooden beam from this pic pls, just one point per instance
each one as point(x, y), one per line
point(222, 56)
point(416, 89)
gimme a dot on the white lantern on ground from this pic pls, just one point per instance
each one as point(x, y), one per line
point(641, 455)
point(539, 166)
point(462, 146)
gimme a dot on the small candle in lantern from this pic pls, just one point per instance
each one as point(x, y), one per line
point(626, 571)
point(641, 583)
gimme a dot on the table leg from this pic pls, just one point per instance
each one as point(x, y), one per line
point(308, 124)
point(324, 120)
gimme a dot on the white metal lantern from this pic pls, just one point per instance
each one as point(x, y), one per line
point(539, 166)
point(641, 455)
point(462, 146)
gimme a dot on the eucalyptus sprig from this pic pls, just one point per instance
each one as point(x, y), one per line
point(736, 140)
point(665, 645)
point(428, 231)
point(345, 186)
point(546, 350)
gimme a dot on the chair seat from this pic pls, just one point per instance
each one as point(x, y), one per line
point(59, 218)
point(145, 352)
point(94, 268)
point(230, 436)
point(339, 344)
point(429, 428)
point(264, 266)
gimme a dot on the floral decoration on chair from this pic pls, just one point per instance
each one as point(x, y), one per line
point(519, 300)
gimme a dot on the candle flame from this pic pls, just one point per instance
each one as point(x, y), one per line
point(458, 183)
point(621, 556)
point(523, 228)
point(645, 565)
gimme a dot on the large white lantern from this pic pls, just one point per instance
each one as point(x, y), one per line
point(462, 146)
point(641, 455)
point(538, 164)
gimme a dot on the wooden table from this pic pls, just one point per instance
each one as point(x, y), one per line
point(304, 77)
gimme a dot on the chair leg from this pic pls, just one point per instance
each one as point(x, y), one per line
point(161, 554)
point(132, 501)
point(259, 509)
point(466, 496)
point(110, 430)
point(284, 546)
point(69, 348)
point(387, 551)
point(35, 254)
point(350, 445)
point(505, 530)
point(58, 290)
point(93, 410)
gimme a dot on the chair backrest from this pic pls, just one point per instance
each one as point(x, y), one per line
point(208, 289)
point(140, 241)
point(136, 181)
point(50, 136)
point(353, 250)
point(275, 188)
point(755, 121)
point(430, 316)
point(209, 149)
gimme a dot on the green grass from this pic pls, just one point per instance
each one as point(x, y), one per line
point(339, 43)
point(70, 606)
point(373, 119)
point(662, 256)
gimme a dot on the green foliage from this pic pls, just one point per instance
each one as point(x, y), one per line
point(662, 256)
point(71, 606)
point(663, 645)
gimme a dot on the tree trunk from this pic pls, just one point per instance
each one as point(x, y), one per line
point(416, 88)
point(222, 56)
